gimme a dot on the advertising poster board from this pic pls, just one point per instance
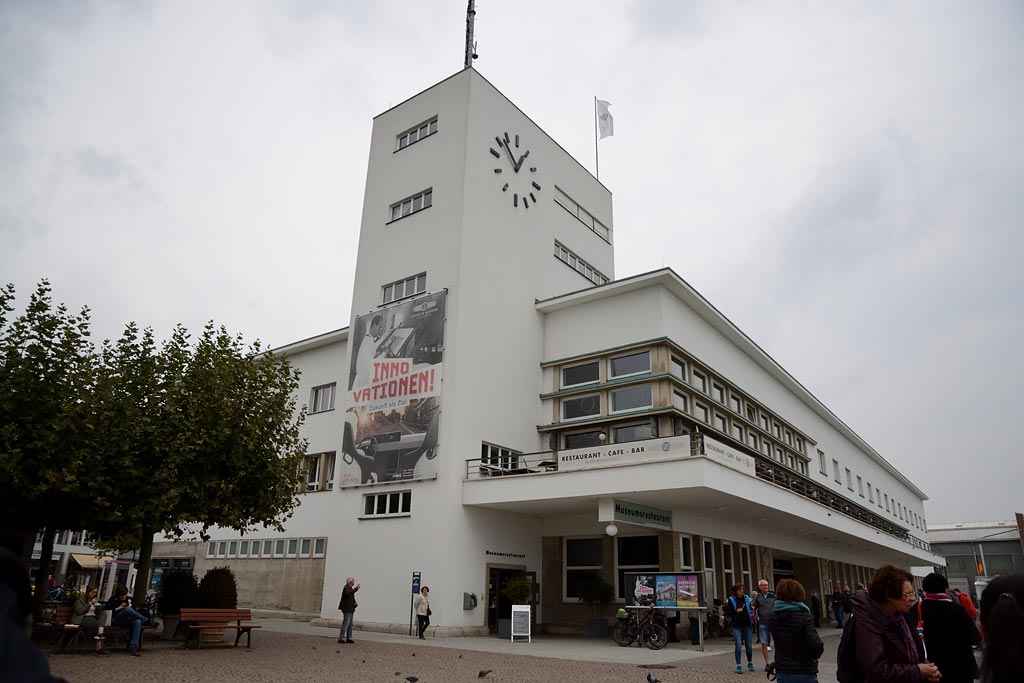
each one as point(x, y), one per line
point(521, 622)
point(688, 592)
point(640, 589)
point(679, 590)
point(394, 393)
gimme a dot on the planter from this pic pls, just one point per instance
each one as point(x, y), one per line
point(504, 629)
point(596, 627)
point(170, 626)
point(213, 635)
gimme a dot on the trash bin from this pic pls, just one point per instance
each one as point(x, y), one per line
point(694, 631)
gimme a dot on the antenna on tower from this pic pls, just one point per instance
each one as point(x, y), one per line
point(470, 43)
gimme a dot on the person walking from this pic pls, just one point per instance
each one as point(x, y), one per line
point(737, 609)
point(762, 605)
point(949, 633)
point(348, 605)
point(1002, 625)
point(847, 599)
point(816, 609)
point(837, 607)
point(885, 648)
point(423, 612)
point(797, 644)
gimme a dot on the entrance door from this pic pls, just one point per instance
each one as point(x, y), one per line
point(500, 607)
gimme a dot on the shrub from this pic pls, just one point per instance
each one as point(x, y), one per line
point(177, 590)
point(596, 592)
point(518, 590)
point(218, 589)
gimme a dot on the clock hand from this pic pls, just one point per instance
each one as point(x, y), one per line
point(521, 160)
point(511, 158)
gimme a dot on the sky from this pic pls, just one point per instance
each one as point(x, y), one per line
point(843, 180)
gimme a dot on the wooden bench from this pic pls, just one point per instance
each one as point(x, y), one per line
point(73, 632)
point(201, 619)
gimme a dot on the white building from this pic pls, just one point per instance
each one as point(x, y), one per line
point(506, 399)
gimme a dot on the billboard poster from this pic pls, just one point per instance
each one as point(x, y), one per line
point(394, 393)
point(640, 590)
point(687, 590)
point(665, 591)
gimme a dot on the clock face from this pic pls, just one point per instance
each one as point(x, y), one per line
point(516, 178)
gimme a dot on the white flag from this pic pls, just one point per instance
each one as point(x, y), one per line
point(605, 122)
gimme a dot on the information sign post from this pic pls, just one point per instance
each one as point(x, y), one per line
point(412, 598)
point(521, 622)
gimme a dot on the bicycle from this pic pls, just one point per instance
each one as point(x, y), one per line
point(649, 630)
point(713, 627)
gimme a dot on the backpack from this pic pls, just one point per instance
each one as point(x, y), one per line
point(848, 668)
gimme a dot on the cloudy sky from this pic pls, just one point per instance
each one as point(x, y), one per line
point(843, 180)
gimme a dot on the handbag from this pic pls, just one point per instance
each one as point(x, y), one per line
point(429, 612)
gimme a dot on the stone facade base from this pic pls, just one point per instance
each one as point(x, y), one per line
point(403, 629)
point(284, 614)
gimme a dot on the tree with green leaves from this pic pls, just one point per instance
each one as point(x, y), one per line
point(47, 375)
point(197, 435)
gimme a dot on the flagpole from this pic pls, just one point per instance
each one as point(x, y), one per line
point(597, 157)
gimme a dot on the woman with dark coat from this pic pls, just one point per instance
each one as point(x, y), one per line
point(1002, 625)
point(949, 632)
point(797, 644)
point(886, 652)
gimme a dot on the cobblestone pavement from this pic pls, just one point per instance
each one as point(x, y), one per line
point(292, 651)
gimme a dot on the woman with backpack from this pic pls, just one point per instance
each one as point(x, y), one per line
point(884, 647)
point(737, 610)
point(797, 644)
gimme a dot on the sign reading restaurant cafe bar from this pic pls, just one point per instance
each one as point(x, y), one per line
point(631, 452)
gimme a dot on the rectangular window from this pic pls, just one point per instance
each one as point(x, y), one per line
point(633, 364)
point(700, 412)
point(312, 472)
point(575, 375)
point(581, 407)
point(887, 503)
point(417, 133)
point(736, 404)
point(752, 413)
point(392, 504)
point(685, 553)
point(860, 486)
point(720, 423)
point(322, 398)
point(496, 456)
point(243, 549)
point(279, 547)
point(254, 549)
point(404, 288)
point(871, 493)
point(584, 439)
point(681, 401)
point(765, 423)
point(849, 479)
point(745, 567)
point(700, 382)
point(411, 205)
point(777, 430)
point(835, 470)
point(718, 393)
point(328, 470)
point(766, 447)
point(579, 265)
point(211, 549)
point(268, 549)
point(293, 547)
point(306, 547)
point(635, 554)
point(727, 569)
point(222, 549)
point(632, 398)
point(635, 432)
point(822, 467)
point(737, 431)
point(320, 547)
point(678, 369)
point(232, 548)
point(584, 562)
point(752, 439)
point(581, 214)
point(708, 557)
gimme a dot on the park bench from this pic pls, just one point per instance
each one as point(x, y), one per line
point(72, 633)
point(201, 619)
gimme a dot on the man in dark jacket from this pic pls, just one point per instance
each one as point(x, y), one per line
point(797, 644)
point(837, 607)
point(949, 633)
point(816, 608)
point(348, 605)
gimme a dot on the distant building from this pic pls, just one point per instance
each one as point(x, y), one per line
point(501, 405)
point(976, 550)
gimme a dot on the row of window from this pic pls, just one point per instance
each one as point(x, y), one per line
point(411, 205)
point(579, 265)
point(389, 504)
point(404, 288)
point(417, 133)
point(67, 537)
point(728, 411)
point(582, 215)
point(267, 548)
point(874, 494)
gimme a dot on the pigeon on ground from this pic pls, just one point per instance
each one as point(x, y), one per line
point(484, 672)
point(651, 678)
point(411, 679)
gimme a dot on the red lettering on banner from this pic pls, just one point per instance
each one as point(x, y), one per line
point(393, 379)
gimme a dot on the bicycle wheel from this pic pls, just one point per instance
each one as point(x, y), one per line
point(624, 633)
point(654, 636)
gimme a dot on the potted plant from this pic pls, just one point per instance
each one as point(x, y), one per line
point(217, 590)
point(176, 590)
point(518, 590)
point(596, 592)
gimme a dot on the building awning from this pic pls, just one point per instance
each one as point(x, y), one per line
point(86, 561)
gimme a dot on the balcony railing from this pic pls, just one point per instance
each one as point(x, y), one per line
point(542, 462)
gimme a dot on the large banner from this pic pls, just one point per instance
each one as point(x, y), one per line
point(394, 394)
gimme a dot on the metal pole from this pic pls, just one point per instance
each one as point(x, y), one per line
point(470, 17)
point(597, 160)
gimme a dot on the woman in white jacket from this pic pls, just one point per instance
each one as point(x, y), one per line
point(422, 605)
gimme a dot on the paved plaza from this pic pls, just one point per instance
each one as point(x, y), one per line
point(294, 651)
